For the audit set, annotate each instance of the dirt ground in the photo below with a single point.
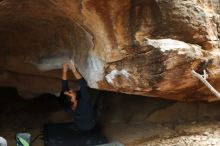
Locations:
(131, 120)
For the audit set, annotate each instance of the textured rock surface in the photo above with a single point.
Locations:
(146, 47)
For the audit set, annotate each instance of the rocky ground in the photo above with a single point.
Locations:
(131, 120)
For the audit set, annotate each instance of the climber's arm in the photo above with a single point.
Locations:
(64, 87)
(81, 82)
(76, 74)
(64, 83)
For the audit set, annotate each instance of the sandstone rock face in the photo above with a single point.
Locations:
(146, 47)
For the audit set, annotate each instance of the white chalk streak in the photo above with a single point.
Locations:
(182, 48)
(111, 76)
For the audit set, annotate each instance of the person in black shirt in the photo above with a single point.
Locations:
(78, 102)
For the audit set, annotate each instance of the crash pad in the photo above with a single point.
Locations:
(66, 134)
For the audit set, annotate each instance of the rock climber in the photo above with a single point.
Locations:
(78, 102)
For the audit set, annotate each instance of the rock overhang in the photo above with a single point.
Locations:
(147, 48)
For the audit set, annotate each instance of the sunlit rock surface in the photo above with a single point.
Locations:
(146, 47)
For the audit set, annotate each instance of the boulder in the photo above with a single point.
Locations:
(147, 47)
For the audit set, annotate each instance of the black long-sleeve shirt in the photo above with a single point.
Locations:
(83, 115)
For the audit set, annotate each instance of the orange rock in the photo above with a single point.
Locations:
(145, 47)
